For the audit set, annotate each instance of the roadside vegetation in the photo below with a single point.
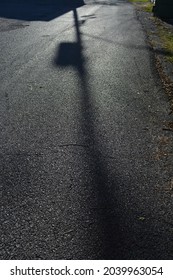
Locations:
(165, 34)
(146, 5)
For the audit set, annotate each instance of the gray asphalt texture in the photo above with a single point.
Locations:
(85, 162)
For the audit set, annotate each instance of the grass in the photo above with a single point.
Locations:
(146, 5)
(166, 37)
(168, 45)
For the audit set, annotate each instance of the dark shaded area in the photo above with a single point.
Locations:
(163, 9)
(33, 10)
(168, 20)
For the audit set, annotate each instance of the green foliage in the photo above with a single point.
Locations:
(148, 8)
(146, 5)
(167, 39)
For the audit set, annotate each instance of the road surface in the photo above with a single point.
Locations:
(85, 162)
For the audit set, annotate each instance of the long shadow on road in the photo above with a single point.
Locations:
(108, 225)
(113, 232)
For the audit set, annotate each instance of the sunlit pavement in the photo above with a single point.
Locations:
(85, 162)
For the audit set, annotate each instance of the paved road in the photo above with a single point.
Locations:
(85, 166)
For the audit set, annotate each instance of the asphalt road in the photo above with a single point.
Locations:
(85, 166)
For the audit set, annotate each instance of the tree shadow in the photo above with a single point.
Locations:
(163, 10)
(36, 10)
